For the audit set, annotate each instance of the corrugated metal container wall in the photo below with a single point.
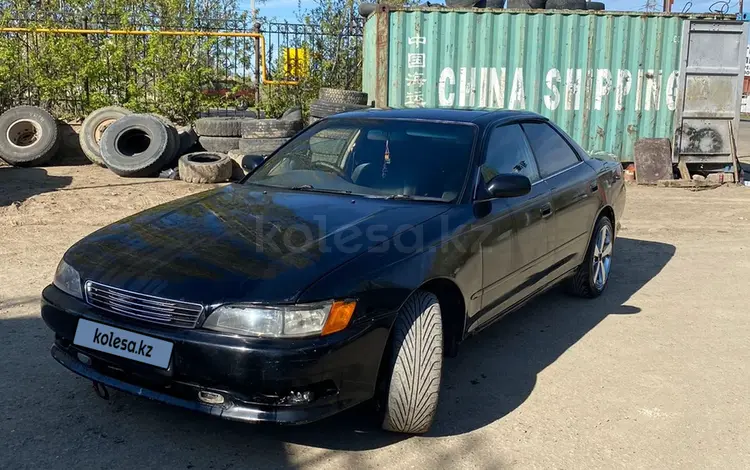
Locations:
(607, 79)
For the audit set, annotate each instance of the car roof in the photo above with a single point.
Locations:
(476, 116)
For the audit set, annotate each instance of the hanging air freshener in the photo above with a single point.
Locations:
(386, 159)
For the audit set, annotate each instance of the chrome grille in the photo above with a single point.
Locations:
(142, 306)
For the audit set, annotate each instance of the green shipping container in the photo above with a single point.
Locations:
(607, 78)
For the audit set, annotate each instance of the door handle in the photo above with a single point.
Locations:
(546, 210)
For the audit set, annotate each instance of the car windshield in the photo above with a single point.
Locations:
(402, 159)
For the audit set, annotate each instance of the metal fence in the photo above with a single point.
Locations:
(72, 64)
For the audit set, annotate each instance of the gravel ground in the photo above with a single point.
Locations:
(654, 374)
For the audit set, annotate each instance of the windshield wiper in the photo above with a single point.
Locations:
(409, 197)
(309, 187)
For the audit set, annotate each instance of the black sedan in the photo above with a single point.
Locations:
(343, 268)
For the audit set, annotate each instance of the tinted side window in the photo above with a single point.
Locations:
(508, 152)
(552, 153)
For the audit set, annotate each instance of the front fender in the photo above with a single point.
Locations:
(382, 278)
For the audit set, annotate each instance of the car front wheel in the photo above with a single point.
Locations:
(415, 366)
(592, 275)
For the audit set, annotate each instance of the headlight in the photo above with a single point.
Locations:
(288, 321)
(68, 280)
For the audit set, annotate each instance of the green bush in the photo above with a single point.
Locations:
(73, 74)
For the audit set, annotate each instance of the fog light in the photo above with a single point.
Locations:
(84, 358)
(210, 397)
(298, 398)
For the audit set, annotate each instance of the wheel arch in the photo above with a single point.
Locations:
(452, 310)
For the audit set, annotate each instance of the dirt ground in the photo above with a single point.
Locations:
(654, 374)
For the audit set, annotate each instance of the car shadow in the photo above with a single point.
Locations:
(53, 414)
(19, 184)
(496, 370)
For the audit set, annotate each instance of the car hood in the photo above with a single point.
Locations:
(240, 243)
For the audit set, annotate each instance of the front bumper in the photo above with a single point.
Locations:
(255, 376)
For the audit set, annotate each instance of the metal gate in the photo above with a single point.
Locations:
(710, 84)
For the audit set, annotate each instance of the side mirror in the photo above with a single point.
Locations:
(508, 185)
(251, 162)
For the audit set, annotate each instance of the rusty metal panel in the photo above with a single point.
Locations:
(653, 160)
(607, 78)
(711, 79)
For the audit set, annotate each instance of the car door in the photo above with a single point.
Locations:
(573, 187)
(513, 252)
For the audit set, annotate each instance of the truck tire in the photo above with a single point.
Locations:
(135, 146)
(292, 114)
(219, 126)
(233, 113)
(415, 362)
(566, 5)
(322, 108)
(495, 3)
(367, 9)
(219, 144)
(525, 4)
(460, 3)
(173, 142)
(28, 136)
(269, 128)
(93, 128)
(260, 146)
(597, 6)
(188, 138)
(205, 167)
(587, 282)
(333, 95)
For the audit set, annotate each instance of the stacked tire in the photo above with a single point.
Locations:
(28, 136)
(264, 136)
(332, 101)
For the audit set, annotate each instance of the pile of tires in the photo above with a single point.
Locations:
(331, 101)
(247, 135)
(28, 136)
(367, 9)
(133, 145)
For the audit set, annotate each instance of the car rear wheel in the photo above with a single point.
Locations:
(592, 275)
(415, 366)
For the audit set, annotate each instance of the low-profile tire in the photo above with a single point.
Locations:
(219, 144)
(415, 366)
(135, 145)
(260, 146)
(322, 108)
(525, 4)
(333, 95)
(205, 167)
(93, 128)
(565, 5)
(269, 128)
(587, 282)
(219, 126)
(597, 6)
(173, 141)
(28, 136)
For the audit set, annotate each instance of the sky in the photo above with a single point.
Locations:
(285, 10)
